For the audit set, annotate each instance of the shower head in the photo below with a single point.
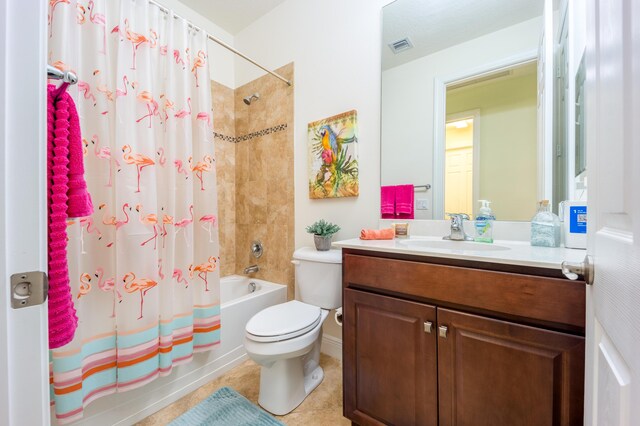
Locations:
(248, 99)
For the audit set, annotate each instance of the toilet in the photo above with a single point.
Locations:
(285, 339)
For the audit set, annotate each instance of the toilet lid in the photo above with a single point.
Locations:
(283, 321)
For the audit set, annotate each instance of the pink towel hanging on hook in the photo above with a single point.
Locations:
(67, 197)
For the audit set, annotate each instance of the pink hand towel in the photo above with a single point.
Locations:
(404, 202)
(377, 234)
(387, 202)
(67, 194)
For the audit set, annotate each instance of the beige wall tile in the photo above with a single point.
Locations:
(255, 177)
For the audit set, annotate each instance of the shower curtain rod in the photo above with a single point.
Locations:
(222, 43)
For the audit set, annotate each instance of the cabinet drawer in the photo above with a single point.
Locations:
(540, 300)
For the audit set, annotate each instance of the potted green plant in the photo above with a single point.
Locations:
(322, 233)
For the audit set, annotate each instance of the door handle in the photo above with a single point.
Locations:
(573, 270)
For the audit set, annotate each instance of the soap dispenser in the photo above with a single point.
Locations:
(484, 223)
(545, 227)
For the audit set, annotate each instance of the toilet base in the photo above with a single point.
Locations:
(283, 386)
(287, 382)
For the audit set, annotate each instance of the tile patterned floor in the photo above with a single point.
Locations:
(322, 407)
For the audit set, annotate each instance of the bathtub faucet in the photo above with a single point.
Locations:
(251, 269)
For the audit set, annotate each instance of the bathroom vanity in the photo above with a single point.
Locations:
(446, 336)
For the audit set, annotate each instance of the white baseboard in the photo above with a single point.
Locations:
(331, 346)
(127, 408)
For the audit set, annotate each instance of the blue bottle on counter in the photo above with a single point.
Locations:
(545, 227)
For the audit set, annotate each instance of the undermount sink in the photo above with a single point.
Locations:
(453, 245)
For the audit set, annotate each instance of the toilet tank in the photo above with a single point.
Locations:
(318, 277)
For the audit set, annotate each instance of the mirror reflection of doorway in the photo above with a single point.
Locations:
(461, 158)
(506, 147)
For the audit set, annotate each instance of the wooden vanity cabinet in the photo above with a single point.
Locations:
(414, 354)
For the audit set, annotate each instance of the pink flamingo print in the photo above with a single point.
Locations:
(180, 168)
(177, 274)
(85, 285)
(143, 285)
(166, 220)
(198, 62)
(168, 104)
(85, 89)
(148, 219)
(203, 269)
(87, 222)
(205, 117)
(52, 7)
(177, 58)
(182, 224)
(125, 91)
(160, 273)
(163, 49)
(161, 158)
(80, 14)
(139, 160)
(184, 113)
(107, 219)
(85, 147)
(138, 40)
(108, 285)
(152, 106)
(106, 92)
(99, 19)
(201, 167)
(104, 153)
(207, 222)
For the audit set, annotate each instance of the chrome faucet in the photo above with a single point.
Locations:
(251, 269)
(457, 227)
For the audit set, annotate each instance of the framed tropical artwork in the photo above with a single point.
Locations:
(333, 156)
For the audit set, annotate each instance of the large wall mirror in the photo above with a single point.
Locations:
(464, 108)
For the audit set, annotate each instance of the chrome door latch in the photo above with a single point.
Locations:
(28, 289)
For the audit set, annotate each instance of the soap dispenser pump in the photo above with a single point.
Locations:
(484, 223)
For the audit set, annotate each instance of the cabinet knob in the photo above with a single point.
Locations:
(427, 326)
(442, 331)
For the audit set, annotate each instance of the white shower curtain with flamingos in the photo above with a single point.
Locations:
(144, 267)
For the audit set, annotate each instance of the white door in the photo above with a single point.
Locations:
(24, 374)
(612, 96)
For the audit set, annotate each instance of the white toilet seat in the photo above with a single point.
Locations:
(282, 322)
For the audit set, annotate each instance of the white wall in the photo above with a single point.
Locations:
(408, 106)
(335, 47)
(221, 59)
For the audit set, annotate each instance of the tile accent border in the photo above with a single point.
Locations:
(252, 135)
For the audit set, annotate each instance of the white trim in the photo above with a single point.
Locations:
(24, 380)
(332, 346)
(440, 84)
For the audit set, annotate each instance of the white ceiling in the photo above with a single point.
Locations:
(232, 15)
(434, 25)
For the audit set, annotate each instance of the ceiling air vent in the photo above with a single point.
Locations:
(400, 45)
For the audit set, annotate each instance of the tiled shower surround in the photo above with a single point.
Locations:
(254, 160)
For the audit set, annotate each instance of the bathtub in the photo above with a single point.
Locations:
(241, 298)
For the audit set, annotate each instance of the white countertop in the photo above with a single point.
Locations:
(511, 252)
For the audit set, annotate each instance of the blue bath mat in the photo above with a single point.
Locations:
(225, 407)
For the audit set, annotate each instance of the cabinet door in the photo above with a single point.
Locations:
(493, 372)
(389, 360)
